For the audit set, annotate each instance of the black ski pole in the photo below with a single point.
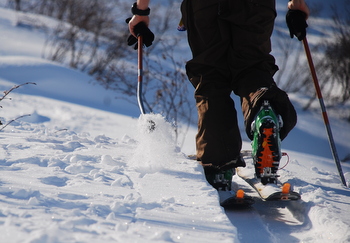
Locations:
(324, 113)
(140, 74)
(152, 124)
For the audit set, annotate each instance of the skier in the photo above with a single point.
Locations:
(230, 44)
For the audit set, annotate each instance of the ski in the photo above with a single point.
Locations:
(270, 191)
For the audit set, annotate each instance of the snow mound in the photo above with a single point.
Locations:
(156, 149)
(35, 118)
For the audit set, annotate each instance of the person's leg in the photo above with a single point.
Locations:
(251, 64)
(218, 139)
(252, 69)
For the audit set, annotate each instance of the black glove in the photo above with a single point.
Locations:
(140, 29)
(296, 22)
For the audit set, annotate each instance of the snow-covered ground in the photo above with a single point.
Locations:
(77, 170)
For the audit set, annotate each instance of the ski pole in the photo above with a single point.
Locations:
(324, 113)
(140, 73)
(151, 124)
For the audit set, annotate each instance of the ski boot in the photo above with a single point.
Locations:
(220, 177)
(266, 144)
(222, 182)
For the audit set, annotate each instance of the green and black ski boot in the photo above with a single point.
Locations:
(266, 144)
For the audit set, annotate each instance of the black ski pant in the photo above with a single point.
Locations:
(230, 44)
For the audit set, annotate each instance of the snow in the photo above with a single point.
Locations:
(84, 167)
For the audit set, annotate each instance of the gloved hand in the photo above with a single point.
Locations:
(144, 31)
(296, 22)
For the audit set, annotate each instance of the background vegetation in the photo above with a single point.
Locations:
(88, 36)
